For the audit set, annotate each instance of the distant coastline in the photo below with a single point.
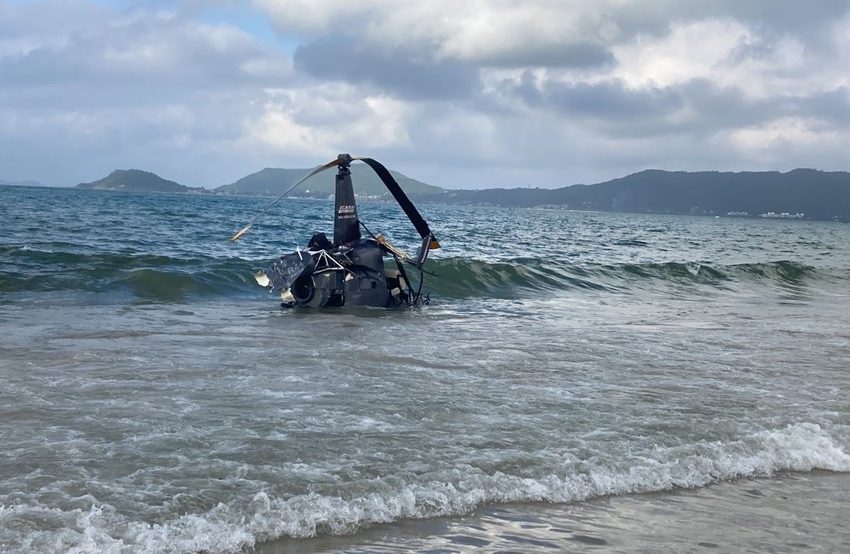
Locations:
(22, 184)
(798, 194)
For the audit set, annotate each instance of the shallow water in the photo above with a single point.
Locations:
(156, 399)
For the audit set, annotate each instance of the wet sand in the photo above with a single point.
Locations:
(788, 513)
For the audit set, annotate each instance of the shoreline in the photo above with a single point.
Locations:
(785, 513)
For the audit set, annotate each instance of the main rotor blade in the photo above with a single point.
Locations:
(406, 205)
(239, 234)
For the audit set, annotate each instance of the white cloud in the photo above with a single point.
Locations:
(327, 119)
(308, 16)
(473, 31)
(486, 93)
(96, 89)
(690, 51)
(764, 141)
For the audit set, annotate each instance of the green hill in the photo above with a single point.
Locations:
(273, 181)
(813, 194)
(134, 180)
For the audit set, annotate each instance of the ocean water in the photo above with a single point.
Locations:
(155, 399)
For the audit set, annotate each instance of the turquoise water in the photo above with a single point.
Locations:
(156, 399)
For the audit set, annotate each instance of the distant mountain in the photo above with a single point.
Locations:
(816, 194)
(273, 181)
(801, 193)
(135, 180)
(21, 183)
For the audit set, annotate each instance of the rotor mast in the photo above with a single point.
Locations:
(346, 223)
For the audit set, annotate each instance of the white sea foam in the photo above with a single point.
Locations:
(28, 248)
(231, 527)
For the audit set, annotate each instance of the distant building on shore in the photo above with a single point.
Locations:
(783, 215)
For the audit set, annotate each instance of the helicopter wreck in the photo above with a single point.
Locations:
(350, 270)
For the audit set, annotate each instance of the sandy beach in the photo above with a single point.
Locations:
(791, 512)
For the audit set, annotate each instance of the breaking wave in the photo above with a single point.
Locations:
(172, 278)
(460, 277)
(150, 277)
(243, 523)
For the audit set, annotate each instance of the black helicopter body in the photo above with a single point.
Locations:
(350, 270)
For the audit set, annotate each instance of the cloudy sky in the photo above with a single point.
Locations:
(461, 94)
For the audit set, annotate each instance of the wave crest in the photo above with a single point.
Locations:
(242, 524)
(172, 278)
